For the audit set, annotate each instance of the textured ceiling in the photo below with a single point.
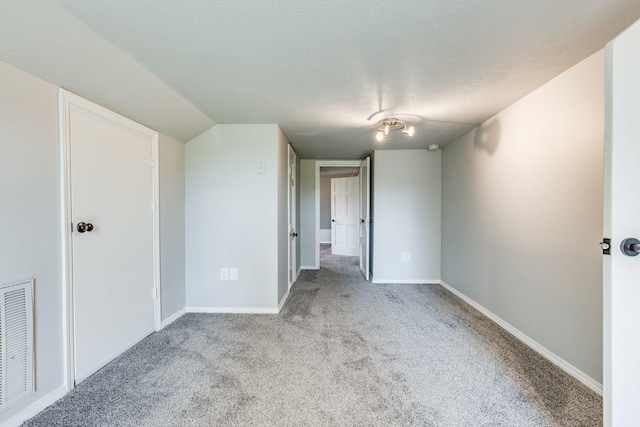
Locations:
(325, 71)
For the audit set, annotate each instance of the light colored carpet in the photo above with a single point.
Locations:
(342, 352)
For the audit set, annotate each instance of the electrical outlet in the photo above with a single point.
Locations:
(261, 168)
(233, 273)
(224, 274)
(405, 256)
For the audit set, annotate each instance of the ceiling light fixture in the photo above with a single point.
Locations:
(384, 126)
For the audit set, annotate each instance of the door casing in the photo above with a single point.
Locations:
(320, 164)
(365, 217)
(293, 216)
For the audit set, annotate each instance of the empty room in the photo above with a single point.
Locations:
(280, 213)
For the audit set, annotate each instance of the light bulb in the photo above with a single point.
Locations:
(386, 130)
(411, 131)
(379, 136)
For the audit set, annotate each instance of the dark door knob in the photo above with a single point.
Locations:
(333, 220)
(82, 227)
(630, 246)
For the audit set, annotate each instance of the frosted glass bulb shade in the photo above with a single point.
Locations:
(411, 131)
(379, 136)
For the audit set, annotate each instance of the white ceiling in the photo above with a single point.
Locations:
(325, 71)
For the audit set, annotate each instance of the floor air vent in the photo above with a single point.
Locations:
(16, 342)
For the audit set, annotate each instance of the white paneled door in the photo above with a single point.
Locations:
(345, 217)
(365, 215)
(112, 238)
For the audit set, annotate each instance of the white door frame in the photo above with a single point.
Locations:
(67, 102)
(365, 218)
(292, 214)
(321, 164)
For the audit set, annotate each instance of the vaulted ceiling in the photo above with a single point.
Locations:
(326, 71)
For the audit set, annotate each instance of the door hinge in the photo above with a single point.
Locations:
(153, 162)
(606, 246)
(155, 293)
(153, 207)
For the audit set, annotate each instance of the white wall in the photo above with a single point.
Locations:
(522, 215)
(172, 274)
(406, 216)
(30, 215)
(232, 216)
(307, 241)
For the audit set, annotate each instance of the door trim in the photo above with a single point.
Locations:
(67, 102)
(292, 216)
(319, 164)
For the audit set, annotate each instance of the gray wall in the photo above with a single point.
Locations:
(325, 202)
(172, 274)
(307, 213)
(407, 215)
(232, 216)
(30, 214)
(522, 215)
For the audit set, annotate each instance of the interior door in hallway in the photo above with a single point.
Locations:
(345, 216)
(112, 240)
(365, 215)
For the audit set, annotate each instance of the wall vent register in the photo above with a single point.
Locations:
(16, 342)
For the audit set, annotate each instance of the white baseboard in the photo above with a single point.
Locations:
(175, 316)
(546, 353)
(283, 300)
(298, 274)
(309, 267)
(36, 407)
(406, 282)
(238, 310)
(325, 235)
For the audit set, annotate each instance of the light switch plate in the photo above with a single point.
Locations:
(224, 274)
(233, 273)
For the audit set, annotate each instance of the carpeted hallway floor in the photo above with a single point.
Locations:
(342, 352)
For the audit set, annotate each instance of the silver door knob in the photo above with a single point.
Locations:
(630, 246)
(82, 227)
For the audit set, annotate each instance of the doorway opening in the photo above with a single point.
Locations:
(339, 215)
